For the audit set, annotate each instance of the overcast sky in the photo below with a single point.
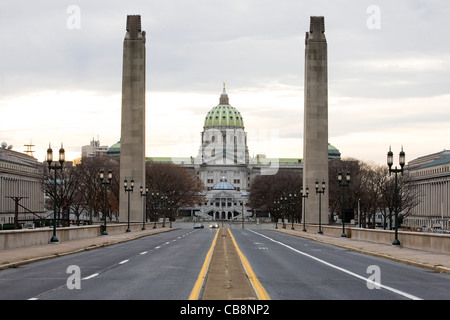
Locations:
(388, 71)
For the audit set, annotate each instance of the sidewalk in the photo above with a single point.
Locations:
(439, 262)
(11, 258)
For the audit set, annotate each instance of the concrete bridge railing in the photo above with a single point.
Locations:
(10, 239)
(432, 242)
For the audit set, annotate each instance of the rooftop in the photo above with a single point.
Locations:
(223, 185)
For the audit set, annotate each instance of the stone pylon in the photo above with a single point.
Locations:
(315, 136)
(132, 148)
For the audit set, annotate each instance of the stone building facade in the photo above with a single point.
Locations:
(20, 181)
(430, 174)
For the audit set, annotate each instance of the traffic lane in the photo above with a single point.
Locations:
(287, 275)
(31, 280)
(296, 268)
(50, 277)
(418, 282)
(166, 271)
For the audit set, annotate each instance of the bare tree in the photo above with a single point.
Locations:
(177, 186)
(66, 190)
(267, 191)
(91, 189)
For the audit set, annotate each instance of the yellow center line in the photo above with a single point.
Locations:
(195, 293)
(261, 293)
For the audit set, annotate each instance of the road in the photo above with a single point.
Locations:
(296, 268)
(166, 266)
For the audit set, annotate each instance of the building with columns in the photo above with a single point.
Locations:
(20, 187)
(430, 174)
(224, 164)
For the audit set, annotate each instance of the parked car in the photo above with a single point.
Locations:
(214, 225)
(198, 226)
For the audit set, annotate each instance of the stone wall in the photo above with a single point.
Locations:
(10, 239)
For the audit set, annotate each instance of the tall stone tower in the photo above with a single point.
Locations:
(132, 149)
(315, 136)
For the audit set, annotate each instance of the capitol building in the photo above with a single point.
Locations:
(224, 165)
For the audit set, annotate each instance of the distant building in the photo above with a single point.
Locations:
(333, 152)
(430, 174)
(94, 149)
(224, 166)
(20, 181)
(114, 150)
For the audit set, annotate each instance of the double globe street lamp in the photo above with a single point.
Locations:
(55, 167)
(144, 214)
(292, 203)
(320, 192)
(155, 198)
(343, 185)
(105, 183)
(305, 194)
(390, 162)
(128, 190)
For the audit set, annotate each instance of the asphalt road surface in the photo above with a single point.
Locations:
(296, 268)
(166, 266)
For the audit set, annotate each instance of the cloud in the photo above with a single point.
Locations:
(66, 83)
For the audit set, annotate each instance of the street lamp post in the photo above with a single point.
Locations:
(276, 208)
(320, 192)
(155, 197)
(292, 201)
(105, 183)
(343, 185)
(304, 196)
(144, 213)
(55, 167)
(283, 200)
(242, 213)
(390, 161)
(170, 211)
(128, 190)
(164, 208)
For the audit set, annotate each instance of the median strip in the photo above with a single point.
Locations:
(261, 293)
(226, 273)
(195, 293)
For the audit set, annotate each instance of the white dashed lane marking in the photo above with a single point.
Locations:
(91, 276)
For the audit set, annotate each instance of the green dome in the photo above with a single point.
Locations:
(114, 150)
(333, 152)
(224, 115)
